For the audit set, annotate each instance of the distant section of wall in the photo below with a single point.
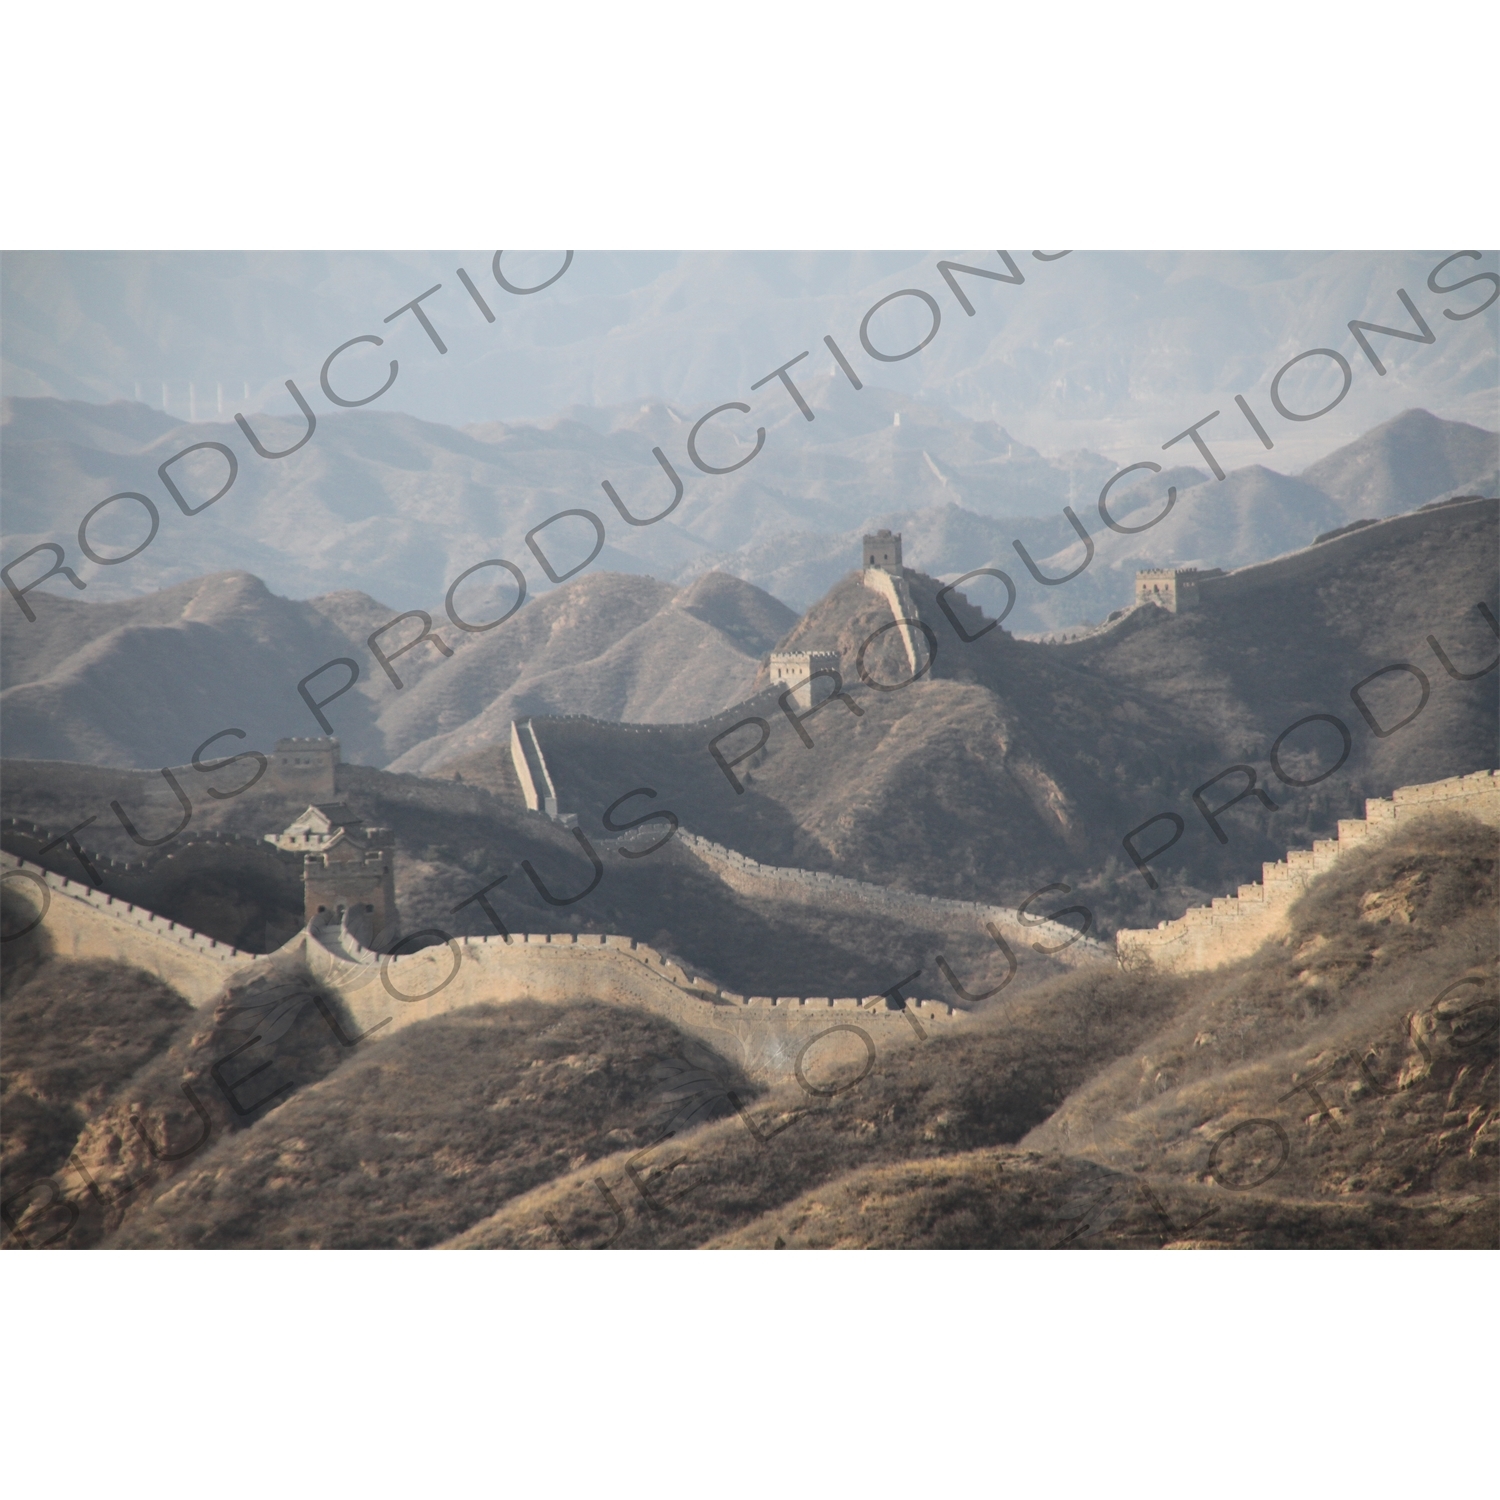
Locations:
(537, 786)
(1208, 937)
(84, 923)
(892, 587)
(780, 883)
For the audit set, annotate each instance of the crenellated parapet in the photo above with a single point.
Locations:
(84, 922)
(1233, 927)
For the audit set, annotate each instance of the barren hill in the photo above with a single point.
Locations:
(145, 682)
(1011, 765)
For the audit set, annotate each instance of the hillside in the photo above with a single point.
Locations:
(144, 682)
(75, 1033)
(454, 840)
(412, 1141)
(1012, 765)
(1335, 1090)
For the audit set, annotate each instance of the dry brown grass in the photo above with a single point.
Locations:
(416, 1138)
(71, 1034)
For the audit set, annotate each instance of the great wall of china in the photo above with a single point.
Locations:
(776, 882)
(85, 923)
(1208, 937)
(387, 993)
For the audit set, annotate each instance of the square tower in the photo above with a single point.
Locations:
(794, 669)
(306, 767)
(882, 549)
(1171, 589)
(348, 869)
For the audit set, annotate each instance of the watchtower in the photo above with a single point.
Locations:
(795, 669)
(882, 549)
(305, 766)
(1172, 589)
(348, 870)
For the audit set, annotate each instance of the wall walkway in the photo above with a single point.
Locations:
(897, 594)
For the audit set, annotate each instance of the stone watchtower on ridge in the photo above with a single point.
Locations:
(1172, 589)
(882, 549)
(348, 870)
(307, 767)
(795, 669)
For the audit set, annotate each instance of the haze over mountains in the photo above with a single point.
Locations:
(1312, 674)
(1009, 765)
(1088, 352)
(396, 509)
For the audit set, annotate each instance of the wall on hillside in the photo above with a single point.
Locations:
(779, 883)
(242, 888)
(897, 594)
(766, 1034)
(1208, 937)
(84, 923)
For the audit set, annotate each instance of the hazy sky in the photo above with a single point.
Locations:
(1105, 350)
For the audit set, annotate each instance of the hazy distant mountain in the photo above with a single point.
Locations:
(397, 508)
(1408, 461)
(608, 645)
(1092, 350)
(1255, 513)
(144, 682)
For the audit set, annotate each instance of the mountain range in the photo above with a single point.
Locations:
(144, 682)
(395, 509)
(1089, 351)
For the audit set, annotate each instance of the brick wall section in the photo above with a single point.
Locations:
(84, 923)
(766, 1033)
(1208, 937)
(774, 882)
(897, 594)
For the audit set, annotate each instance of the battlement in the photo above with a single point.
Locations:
(783, 883)
(1233, 927)
(86, 923)
(770, 1034)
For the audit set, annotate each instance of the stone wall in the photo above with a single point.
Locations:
(219, 879)
(766, 1034)
(85, 923)
(1208, 937)
(894, 590)
(531, 769)
(780, 883)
